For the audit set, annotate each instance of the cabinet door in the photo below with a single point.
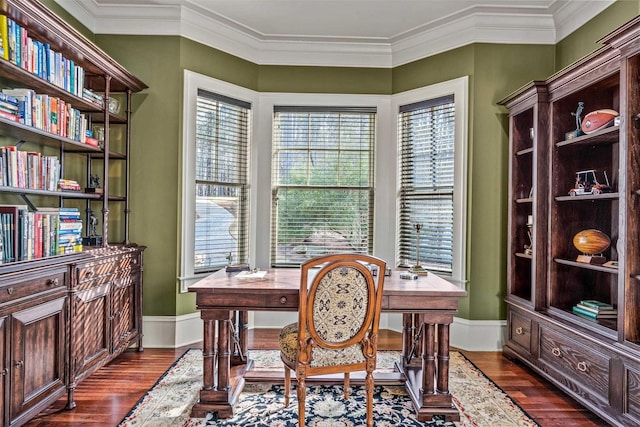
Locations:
(37, 355)
(91, 324)
(125, 321)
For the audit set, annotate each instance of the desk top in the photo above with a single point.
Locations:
(279, 288)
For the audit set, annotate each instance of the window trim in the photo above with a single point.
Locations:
(459, 89)
(192, 82)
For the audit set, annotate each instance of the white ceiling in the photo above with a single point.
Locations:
(369, 33)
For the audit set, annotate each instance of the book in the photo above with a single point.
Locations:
(597, 310)
(584, 313)
(4, 35)
(11, 229)
(596, 304)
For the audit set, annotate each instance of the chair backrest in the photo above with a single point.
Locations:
(339, 314)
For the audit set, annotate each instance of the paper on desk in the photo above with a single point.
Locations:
(251, 274)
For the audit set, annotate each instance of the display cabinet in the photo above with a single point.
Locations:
(572, 313)
(65, 309)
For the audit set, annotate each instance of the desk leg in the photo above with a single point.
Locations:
(217, 394)
(428, 385)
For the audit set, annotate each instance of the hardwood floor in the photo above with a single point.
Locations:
(107, 396)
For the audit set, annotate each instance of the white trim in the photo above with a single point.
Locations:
(193, 82)
(460, 89)
(478, 24)
(172, 331)
(179, 331)
(477, 335)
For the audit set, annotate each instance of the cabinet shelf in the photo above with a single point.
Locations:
(38, 136)
(588, 197)
(603, 136)
(523, 255)
(63, 194)
(525, 151)
(525, 200)
(585, 266)
(25, 78)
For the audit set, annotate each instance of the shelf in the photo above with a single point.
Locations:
(63, 194)
(585, 266)
(26, 79)
(603, 136)
(523, 255)
(42, 137)
(525, 151)
(525, 200)
(590, 197)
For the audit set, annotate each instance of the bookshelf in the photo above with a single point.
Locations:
(552, 327)
(79, 306)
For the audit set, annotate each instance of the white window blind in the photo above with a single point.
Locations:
(427, 139)
(221, 223)
(322, 182)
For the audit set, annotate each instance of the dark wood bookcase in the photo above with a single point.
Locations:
(595, 360)
(75, 311)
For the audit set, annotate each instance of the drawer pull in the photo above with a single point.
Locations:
(582, 367)
(90, 273)
(4, 372)
(54, 282)
(283, 300)
(10, 291)
(19, 363)
(519, 330)
(555, 351)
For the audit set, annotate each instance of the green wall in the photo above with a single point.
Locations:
(584, 40)
(494, 71)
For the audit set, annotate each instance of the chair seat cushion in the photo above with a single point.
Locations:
(288, 343)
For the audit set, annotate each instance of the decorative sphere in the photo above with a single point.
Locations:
(591, 241)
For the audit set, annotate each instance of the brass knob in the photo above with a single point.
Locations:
(19, 363)
(582, 367)
(10, 291)
(54, 282)
(556, 351)
(283, 300)
(3, 372)
(519, 330)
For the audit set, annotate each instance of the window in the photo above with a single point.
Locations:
(432, 175)
(215, 187)
(220, 181)
(323, 182)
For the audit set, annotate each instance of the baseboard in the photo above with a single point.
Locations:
(178, 331)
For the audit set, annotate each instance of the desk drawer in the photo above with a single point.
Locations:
(574, 361)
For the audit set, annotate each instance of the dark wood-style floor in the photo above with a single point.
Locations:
(107, 396)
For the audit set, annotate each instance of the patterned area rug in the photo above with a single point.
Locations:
(168, 403)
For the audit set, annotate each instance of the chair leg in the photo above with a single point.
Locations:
(369, 389)
(302, 390)
(346, 385)
(287, 385)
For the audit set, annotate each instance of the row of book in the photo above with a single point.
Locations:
(594, 309)
(44, 112)
(28, 169)
(20, 48)
(26, 235)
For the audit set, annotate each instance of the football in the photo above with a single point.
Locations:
(597, 120)
(591, 241)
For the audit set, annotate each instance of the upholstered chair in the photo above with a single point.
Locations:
(337, 328)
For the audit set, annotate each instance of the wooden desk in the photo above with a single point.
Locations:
(428, 304)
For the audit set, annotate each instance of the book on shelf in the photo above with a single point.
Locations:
(596, 304)
(600, 311)
(590, 314)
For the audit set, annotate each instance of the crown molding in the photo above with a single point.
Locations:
(480, 24)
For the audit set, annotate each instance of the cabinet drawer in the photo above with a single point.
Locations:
(32, 283)
(632, 393)
(520, 330)
(575, 362)
(103, 270)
